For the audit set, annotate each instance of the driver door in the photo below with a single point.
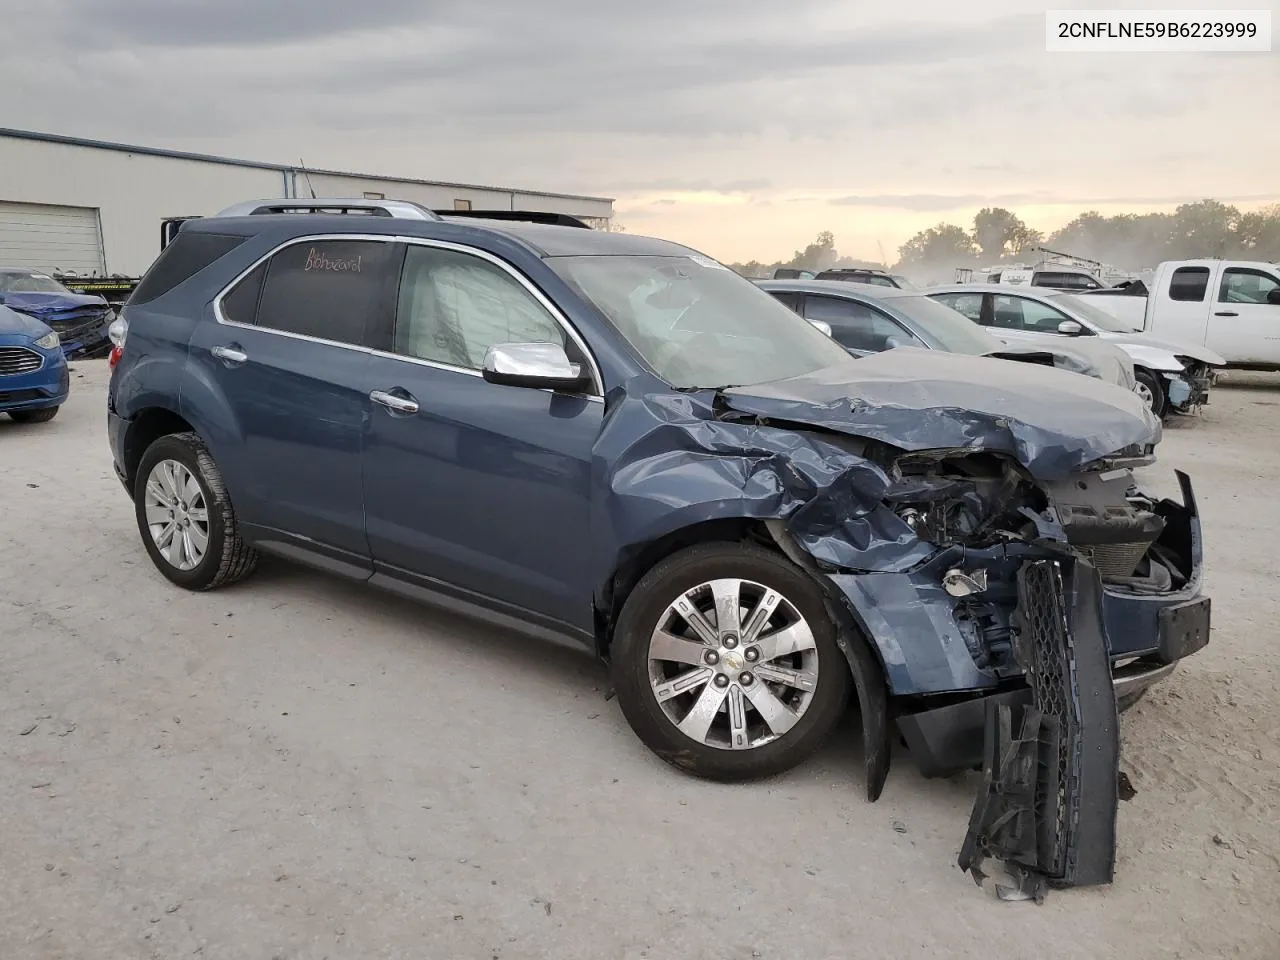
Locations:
(475, 489)
(1246, 326)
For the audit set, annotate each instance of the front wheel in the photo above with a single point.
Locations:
(726, 664)
(34, 416)
(185, 516)
(1151, 391)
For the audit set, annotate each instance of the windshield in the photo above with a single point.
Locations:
(1087, 311)
(948, 329)
(30, 283)
(697, 323)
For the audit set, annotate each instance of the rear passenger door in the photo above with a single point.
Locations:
(473, 489)
(289, 357)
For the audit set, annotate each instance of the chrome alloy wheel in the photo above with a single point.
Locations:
(177, 515)
(733, 664)
(1145, 395)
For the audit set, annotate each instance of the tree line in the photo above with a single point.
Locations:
(1207, 228)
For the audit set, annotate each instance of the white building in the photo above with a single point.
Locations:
(93, 208)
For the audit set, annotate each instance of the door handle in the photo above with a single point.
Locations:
(394, 403)
(231, 356)
(1226, 313)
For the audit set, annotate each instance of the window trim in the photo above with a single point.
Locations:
(597, 380)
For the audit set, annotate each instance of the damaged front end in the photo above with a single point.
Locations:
(1000, 647)
(1001, 584)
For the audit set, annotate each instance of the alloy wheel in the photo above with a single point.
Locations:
(733, 664)
(177, 514)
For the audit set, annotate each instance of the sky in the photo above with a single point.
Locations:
(740, 127)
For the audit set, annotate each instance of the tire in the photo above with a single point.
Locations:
(226, 556)
(1157, 401)
(685, 579)
(34, 416)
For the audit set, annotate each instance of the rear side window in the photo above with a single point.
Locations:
(1189, 284)
(183, 258)
(328, 289)
(241, 304)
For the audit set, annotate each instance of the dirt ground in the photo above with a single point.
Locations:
(302, 768)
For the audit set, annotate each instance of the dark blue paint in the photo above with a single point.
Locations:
(39, 389)
(81, 320)
(528, 502)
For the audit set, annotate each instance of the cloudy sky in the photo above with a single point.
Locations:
(742, 127)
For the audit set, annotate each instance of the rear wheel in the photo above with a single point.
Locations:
(726, 664)
(34, 416)
(185, 516)
(1151, 391)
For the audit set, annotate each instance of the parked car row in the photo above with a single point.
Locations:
(80, 320)
(616, 439)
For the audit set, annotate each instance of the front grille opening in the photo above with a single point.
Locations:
(16, 360)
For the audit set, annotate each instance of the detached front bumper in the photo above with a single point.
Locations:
(1041, 721)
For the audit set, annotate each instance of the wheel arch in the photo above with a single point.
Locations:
(861, 655)
(145, 428)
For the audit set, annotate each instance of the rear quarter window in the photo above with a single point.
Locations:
(186, 256)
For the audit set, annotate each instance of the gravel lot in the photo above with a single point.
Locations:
(302, 768)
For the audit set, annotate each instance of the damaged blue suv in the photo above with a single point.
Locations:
(617, 439)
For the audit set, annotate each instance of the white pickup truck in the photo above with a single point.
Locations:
(1231, 307)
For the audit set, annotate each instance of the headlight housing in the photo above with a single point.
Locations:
(49, 341)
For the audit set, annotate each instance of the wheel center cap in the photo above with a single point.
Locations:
(732, 661)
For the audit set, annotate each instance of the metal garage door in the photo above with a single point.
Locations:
(46, 237)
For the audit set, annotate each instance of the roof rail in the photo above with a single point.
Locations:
(399, 209)
(525, 216)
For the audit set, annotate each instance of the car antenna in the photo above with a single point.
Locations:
(306, 173)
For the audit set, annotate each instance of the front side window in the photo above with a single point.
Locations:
(968, 304)
(1015, 313)
(695, 323)
(1243, 285)
(327, 289)
(455, 306)
(855, 325)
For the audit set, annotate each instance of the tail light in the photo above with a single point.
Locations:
(117, 332)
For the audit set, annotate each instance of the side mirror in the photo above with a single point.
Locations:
(1273, 296)
(893, 343)
(1070, 328)
(821, 325)
(543, 366)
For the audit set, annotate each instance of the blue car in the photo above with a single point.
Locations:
(80, 320)
(33, 372)
(616, 439)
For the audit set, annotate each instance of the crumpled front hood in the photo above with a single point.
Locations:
(53, 306)
(1178, 348)
(1051, 421)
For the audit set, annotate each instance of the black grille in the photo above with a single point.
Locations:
(1049, 654)
(14, 360)
(20, 396)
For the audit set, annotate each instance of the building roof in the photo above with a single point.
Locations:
(280, 167)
